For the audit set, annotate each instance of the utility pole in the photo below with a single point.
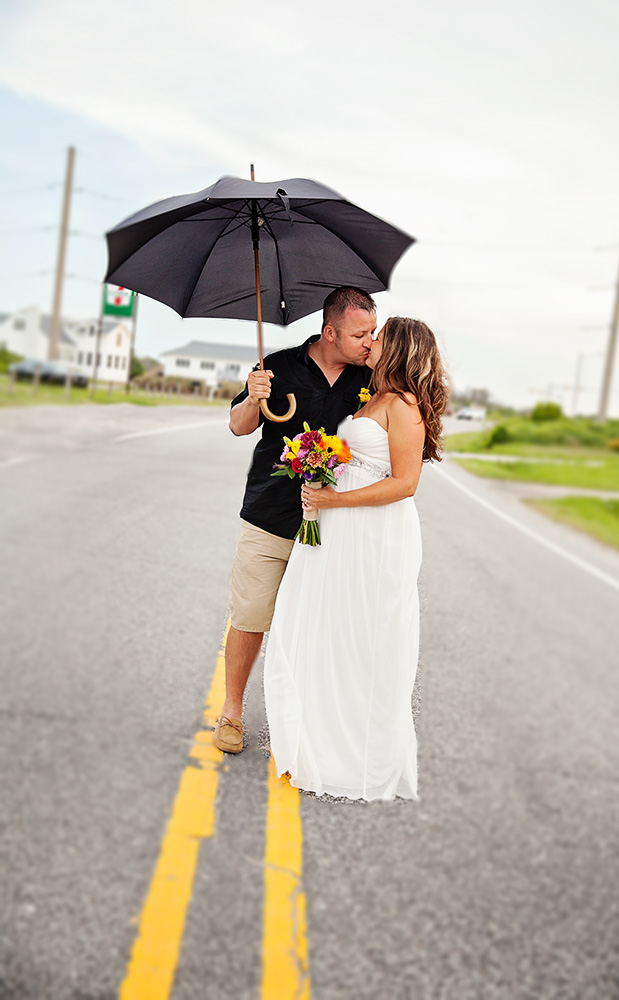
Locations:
(95, 369)
(610, 360)
(132, 342)
(54, 331)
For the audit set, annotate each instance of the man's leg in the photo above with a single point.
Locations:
(259, 563)
(242, 648)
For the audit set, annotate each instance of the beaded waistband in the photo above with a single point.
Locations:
(375, 470)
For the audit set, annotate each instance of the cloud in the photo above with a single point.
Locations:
(476, 127)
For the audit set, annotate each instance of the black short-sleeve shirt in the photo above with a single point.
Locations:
(275, 504)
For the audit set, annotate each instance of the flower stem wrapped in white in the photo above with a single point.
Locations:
(308, 532)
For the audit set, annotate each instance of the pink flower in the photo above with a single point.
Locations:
(284, 454)
(337, 472)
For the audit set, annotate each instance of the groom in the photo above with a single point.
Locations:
(326, 374)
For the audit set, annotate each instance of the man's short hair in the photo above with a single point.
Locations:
(341, 299)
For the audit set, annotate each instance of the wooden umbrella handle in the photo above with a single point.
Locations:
(292, 403)
(273, 416)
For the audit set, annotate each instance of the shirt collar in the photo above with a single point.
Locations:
(302, 349)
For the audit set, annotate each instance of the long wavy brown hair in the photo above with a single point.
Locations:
(410, 361)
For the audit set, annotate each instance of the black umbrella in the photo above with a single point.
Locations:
(249, 250)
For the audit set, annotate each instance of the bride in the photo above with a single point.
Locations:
(342, 651)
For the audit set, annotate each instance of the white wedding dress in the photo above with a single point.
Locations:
(342, 651)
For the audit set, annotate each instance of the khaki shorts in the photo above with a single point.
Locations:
(257, 570)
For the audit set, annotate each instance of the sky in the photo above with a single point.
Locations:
(487, 130)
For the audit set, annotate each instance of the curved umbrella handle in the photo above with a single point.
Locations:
(286, 416)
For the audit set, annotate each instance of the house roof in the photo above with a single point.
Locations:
(223, 352)
(66, 325)
(46, 322)
(45, 326)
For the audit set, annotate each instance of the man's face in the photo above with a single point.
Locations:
(353, 335)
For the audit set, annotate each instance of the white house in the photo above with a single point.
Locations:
(26, 332)
(210, 363)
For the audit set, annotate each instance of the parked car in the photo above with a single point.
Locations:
(472, 413)
(53, 372)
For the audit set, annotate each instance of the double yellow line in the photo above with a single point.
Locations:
(156, 950)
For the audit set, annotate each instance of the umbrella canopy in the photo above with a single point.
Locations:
(195, 252)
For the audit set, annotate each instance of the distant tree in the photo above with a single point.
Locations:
(7, 358)
(137, 368)
(473, 397)
(546, 411)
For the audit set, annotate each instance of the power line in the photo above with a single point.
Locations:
(57, 184)
(32, 190)
(19, 231)
(53, 227)
(86, 236)
(98, 194)
(83, 277)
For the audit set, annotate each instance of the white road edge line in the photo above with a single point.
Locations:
(535, 535)
(171, 430)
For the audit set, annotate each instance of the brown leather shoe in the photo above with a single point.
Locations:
(228, 735)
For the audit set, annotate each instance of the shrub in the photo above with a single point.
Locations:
(613, 443)
(499, 435)
(546, 411)
(7, 358)
(137, 368)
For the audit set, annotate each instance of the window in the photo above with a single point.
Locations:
(116, 360)
(119, 339)
(89, 358)
(124, 362)
(235, 369)
(80, 358)
(182, 362)
(207, 364)
(19, 323)
(92, 330)
(109, 360)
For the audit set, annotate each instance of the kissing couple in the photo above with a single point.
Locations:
(342, 617)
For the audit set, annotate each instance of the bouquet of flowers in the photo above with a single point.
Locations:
(318, 458)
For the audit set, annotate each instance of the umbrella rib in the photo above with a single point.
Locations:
(206, 259)
(323, 225)
(282, 297)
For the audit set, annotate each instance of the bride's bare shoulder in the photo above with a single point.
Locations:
(395, 402)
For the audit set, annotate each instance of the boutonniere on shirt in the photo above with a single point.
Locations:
(364, 397)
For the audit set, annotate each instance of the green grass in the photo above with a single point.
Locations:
(579, 452)
(515, 435)
(22, 395)
(573, 472)
(599, 518)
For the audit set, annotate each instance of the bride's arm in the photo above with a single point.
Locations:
(406, 440)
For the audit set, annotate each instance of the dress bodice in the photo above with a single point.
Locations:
(367, 440)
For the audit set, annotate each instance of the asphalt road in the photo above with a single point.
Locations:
(502, 882)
